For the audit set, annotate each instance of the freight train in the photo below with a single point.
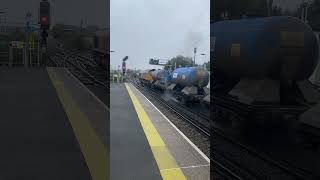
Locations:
(188, 84)
(260, 70)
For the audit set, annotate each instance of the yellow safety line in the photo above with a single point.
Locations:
(92, 148)
(167, 165)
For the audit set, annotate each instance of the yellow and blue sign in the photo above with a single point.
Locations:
(31, 41)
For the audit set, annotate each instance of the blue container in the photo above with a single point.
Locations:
(161, 78)
(280, 47)
(190, 76)
(160, 74)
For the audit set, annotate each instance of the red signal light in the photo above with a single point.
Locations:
(44, 20)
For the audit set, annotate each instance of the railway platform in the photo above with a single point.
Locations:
(51, 127)
(145, 145)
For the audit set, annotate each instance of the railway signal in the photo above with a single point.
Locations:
(160, 62)
(44, 35)
(124, 65)
(125, 58)
(154, 61)
(44, 20)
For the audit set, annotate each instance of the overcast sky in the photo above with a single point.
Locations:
(144, 29)
(93, 12)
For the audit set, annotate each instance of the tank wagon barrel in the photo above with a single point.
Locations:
(260, 70)
(191, 76)
(280, 47)
(160, 74)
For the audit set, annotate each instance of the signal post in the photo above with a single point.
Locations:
(44, 21)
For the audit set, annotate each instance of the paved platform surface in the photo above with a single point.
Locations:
(193, 163)
(37, 139)
(145, 145)
(130, 153)
(311, 116)
(96, 111)
(89, 118)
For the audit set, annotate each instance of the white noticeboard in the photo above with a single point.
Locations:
(175, 75)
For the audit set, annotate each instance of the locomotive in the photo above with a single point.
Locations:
(260, 70)
(188, 84)
(146, 76)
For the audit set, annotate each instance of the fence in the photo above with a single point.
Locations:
(14, 55)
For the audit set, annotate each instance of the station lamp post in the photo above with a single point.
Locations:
(205, 58)
(194, 56)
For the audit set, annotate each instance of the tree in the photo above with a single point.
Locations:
(179, 61)
(207, 65)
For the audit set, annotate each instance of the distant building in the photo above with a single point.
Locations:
(67, 27)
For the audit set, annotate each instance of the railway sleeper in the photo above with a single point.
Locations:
(309, 137)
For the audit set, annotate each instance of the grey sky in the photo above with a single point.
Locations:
(143, 29)
(93, 12)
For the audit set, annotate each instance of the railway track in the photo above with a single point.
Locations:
(271, 168)
(178, 110)
(250, 163)
(85, 69)
(193, 120)
(225, 166)
(254, 164)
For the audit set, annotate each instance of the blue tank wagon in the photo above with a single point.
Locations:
(161, 78)
(188, 83)
(260, 68)
(280, 47)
